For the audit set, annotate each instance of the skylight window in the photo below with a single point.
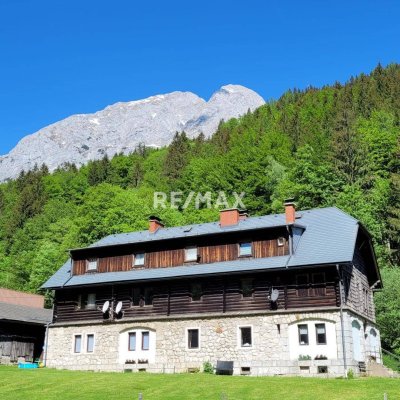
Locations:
(91, 264)
(191, 253)
(244, 249)
(138, 259)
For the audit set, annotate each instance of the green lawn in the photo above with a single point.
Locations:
(48, 384)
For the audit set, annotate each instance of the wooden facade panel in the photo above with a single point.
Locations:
(164, 258)
(218, 295)
(218, 252)
(269, 248)
(210, 250)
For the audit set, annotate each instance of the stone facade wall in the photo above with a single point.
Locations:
(219, 340)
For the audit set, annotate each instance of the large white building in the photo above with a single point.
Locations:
(277, 294)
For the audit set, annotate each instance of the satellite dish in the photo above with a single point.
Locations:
(106, 306)
(118, 308)
(274, 295)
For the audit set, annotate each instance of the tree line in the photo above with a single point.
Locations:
(332, 146)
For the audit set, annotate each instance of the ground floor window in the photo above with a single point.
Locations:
(132, 341)
(78, 344)
(193, 338)
(90, 343)
(320, 331)
(145, 340)
(303, 334)
(246, 336)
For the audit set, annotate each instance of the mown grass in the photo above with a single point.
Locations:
(51, 384)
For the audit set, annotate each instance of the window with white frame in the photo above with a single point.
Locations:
(246, 339)
(320, 332)
(193, 338)
(138, 259)
(303, 334)
(281, 241)
(90, 343)
(145, 340)
(191, 253)
(132, 341)
(77, 343)
(245, 249)
(91, 264)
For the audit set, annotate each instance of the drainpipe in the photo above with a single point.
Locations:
(341, 320)
(46, 338)
(46, 342)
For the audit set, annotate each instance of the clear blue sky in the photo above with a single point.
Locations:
(59, 58)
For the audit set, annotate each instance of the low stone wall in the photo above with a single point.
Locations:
(219, 340)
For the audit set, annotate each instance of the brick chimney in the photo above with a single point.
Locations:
(290, 211)
(229, 217)
(155, 224)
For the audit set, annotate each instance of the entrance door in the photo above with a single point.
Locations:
(374, 343)
(356, 332)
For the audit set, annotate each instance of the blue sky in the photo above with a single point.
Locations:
(59, 58)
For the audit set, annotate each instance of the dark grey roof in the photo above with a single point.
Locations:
(267, 221)
(225, 267)
(32, 315)
(324, 236)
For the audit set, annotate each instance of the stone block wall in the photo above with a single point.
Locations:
(219, 340)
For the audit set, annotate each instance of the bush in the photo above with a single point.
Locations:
(350, 374)
(208, 367)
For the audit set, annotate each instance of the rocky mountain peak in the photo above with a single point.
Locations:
(120, 127)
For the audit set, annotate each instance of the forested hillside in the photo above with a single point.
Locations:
(334, 146)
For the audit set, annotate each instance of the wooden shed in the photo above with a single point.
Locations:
(22, 327)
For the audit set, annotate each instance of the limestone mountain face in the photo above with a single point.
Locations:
(122, 126)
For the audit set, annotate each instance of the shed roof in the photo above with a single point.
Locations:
(322, 236)
(19, 313)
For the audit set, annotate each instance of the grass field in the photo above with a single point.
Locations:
(51, 384)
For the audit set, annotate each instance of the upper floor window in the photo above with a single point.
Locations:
(303, 334)
(281, 241)
(247, 287)
(86, 301)
(91, 264)
(91, 301)
(191, 253)
(302, 285)
(196, 291)
(142, 296)
(319, 284)
(244, 249)
(138, 259)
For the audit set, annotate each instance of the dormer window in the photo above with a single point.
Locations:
(281, 241)
(191, 253)
(91, 264)
(245, 249)
(138, 259)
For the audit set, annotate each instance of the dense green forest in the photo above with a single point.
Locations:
(333, 146)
